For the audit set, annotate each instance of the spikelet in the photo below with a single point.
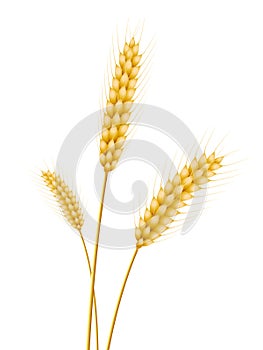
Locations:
(65, 198)
(118, 109)
(165, 206)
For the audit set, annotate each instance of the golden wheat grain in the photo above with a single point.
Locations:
(65, 198)
(118, 109)
(173, 196)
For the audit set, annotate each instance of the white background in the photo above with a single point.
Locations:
(198, 291)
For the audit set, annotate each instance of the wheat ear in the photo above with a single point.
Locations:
(118, 109)
(114, 133)
(165, 206)
(72, 212)
(159, 216)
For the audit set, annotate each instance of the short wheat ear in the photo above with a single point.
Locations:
(65, 198)
(72, 212)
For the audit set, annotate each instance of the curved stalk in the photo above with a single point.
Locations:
(120, 297)
(94, 299)
(94, 265)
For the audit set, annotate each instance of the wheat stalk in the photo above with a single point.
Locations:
(164, 207)
(94, 263)
(118, 108)
(72, 212)
(114, 133)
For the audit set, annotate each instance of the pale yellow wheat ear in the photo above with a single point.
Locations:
(72, 212)
(120, 100)
(66, 199)
(160, 215)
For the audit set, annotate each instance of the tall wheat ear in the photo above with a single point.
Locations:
(120, 100)
(165, 206)
(116, 122)
(73, 213)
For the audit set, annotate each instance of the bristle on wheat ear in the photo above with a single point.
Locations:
(65, 198)
(173, 196)
(118, 109)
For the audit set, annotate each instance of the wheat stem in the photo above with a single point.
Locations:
(120, 297)
(94, 299)
(94, 265)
